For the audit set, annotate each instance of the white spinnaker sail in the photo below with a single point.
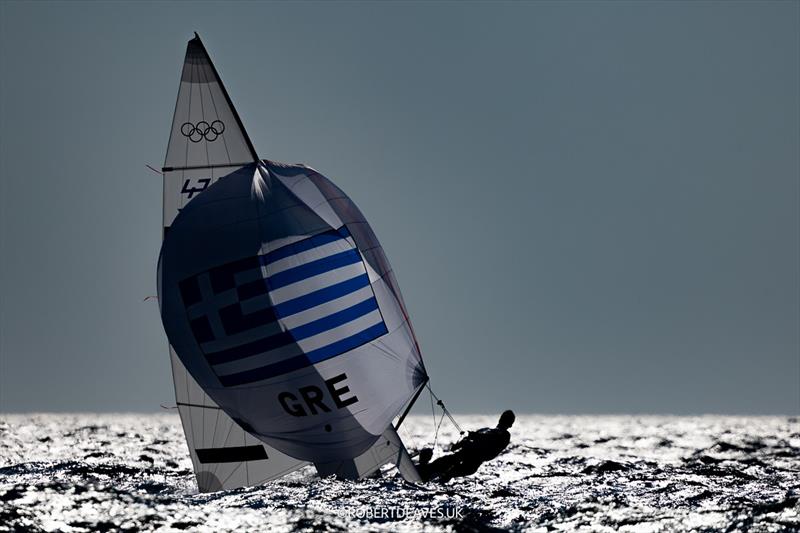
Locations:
(279, 300)
(207, 141)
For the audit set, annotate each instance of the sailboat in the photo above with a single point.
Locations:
(290, 343)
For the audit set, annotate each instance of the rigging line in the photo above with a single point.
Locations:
(453, 420)
(436, 435)
(440, 403)
(433, 413)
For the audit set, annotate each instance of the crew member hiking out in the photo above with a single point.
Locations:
(469, 453)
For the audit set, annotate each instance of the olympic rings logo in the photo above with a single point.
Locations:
(203, 130)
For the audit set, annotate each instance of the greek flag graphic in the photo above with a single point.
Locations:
(263, 316)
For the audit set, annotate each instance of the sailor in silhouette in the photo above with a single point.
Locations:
(468, 453)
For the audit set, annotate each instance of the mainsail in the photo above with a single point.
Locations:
(223, 454)
(289, 339)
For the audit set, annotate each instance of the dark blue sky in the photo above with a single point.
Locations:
(591, 207)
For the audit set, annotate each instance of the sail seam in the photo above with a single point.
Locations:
(216, 112)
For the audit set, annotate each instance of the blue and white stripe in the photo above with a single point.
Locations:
(320, 305)
(322, 295)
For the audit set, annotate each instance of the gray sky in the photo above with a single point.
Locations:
(590, 207)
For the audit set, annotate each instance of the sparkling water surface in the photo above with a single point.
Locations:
(131, 472)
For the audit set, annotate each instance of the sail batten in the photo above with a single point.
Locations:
(200, 167)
